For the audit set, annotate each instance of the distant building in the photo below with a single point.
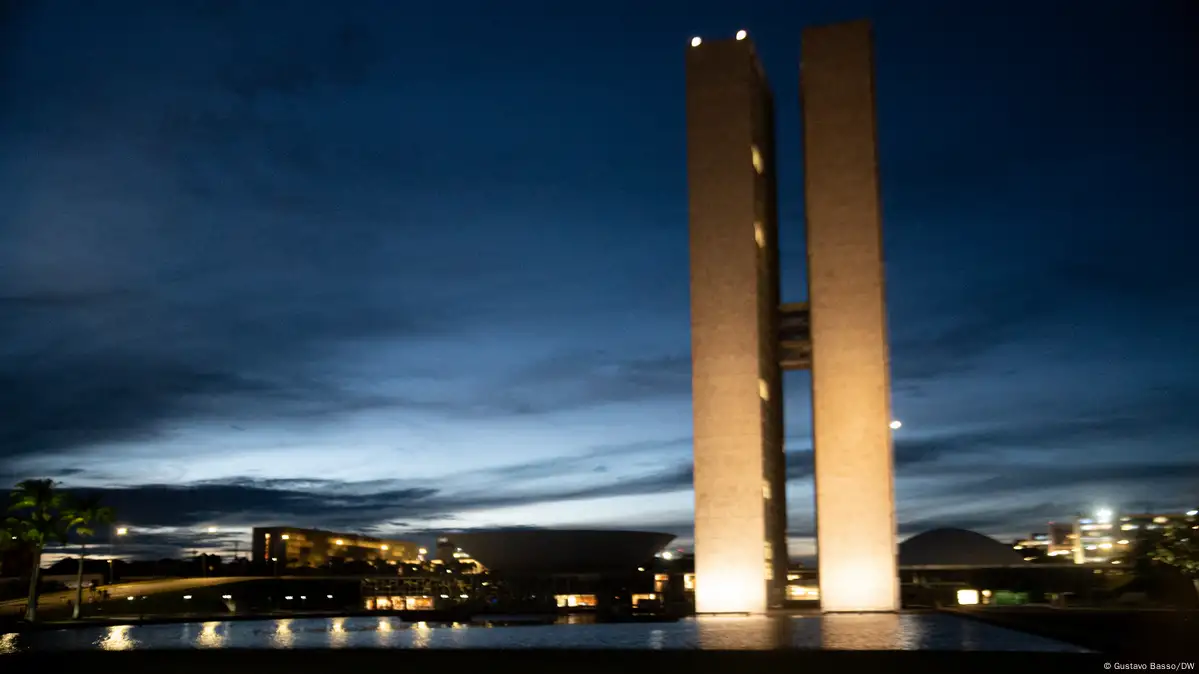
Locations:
(1104, 537)
(452, 556)
(1035, 548)
(1055, 545)
(293, 547)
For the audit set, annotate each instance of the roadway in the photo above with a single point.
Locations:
(120, 590)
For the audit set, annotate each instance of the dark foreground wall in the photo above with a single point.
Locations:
(532, 662)
(1141, 635)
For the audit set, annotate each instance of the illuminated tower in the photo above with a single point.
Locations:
(742, 337)
(740, 512)
(851, 389)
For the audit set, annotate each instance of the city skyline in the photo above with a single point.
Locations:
(355, 268)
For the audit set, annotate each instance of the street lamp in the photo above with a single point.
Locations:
(113, 532)
(204, 556)
(896, 425)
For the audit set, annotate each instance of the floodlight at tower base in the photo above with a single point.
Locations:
(729, 592)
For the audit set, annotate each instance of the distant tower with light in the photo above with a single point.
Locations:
(743, 337)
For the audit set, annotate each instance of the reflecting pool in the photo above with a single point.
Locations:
(836, 632)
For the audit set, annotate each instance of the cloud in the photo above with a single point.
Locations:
(574, 380)
(595, 459)
(1033, 517)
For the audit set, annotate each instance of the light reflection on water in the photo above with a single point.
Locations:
(282, 637)
(116, 638)
(211, 635)
(834, 632)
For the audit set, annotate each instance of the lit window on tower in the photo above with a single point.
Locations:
(760, 234)
(763, 389)
(756, 157)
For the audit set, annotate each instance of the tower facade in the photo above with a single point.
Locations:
(851, 389)
(742, 337)
(740, 491)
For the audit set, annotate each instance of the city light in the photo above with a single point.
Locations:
(422, 551)
(668, 555)
(1104, 514)
(383, 547)
(212, 530)
(226, 596)
(695, 42)
(741, 34)
(328, 596)
(1192, 513)
(896, 425)
(285, 537)
(187, 596)
(121, 531)
(339, 542)
(968, 597)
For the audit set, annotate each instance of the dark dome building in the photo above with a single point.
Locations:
(956, 547)
(548, 551)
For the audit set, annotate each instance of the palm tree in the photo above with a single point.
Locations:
(82, 517)
(36, 518)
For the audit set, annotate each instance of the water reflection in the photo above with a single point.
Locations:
(867, 632)
(210, 636)
(744, 633)
(117, 639)
(420, 635)
(847, 631)
(337, 633)
(283, 637)
(657, 639)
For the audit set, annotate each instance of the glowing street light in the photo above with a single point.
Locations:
(112, 552)
(896, 425)
(212, 530)
(1192, 513)
(741, 34)
(1104, 514)
(695, 41)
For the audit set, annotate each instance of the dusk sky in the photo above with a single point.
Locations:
(358, 266)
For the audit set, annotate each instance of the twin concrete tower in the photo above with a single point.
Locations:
(743, 337)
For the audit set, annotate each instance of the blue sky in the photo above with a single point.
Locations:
(363, 266)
